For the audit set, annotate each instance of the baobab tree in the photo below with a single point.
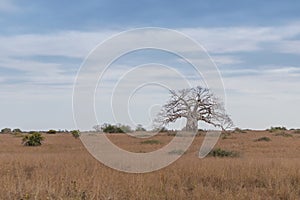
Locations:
(194, 104)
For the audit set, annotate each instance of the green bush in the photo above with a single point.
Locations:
(6, 130)
(17, 130)
(32, 132)
(284, 134)
(151, 142)
(266, 139)
(277, 128)
(124, 128)
(75, 133)
(108, 128)
(51, 131)
(222, 153)
(34, 139)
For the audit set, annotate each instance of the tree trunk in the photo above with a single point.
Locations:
(191, 124)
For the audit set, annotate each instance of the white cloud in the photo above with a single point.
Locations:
(239, 39)
(264, 97)
(264, 82)
(226, 60)
(288, 46)
(215, 40)
(262, 88)
(69, 44)
(36, 72)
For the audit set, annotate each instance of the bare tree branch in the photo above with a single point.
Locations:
(195, 104)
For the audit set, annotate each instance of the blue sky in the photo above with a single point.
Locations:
(256, 45)
(44, 16)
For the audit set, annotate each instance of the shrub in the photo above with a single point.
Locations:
(17, 130)
(163, 130)
(6, 130)
(140, 128)
(176, 152)
(18, 134)
(284, 134)
(75, 133)
(238, 130)
(277, 128)
(172, 133)
(108, 128)
(222, 153)
(201, 132)
(160, 129)
(34, 139)
(51, 131)
(151, 142)
(225, 134)
(266, 139)
(296, 131)
(124, 128)
(98, 128)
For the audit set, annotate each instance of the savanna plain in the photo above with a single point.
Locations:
(265, 165)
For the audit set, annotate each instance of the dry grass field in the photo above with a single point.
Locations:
(63, 169)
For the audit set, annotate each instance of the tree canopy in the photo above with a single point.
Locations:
(194, 104)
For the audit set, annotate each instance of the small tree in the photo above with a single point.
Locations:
(194, 104)
(140, 127)
(17, 130)
(6, 130)
(277, 128)
(75, 133)
(34, 139)
(124, 128)
(97, 128)
(108, 128)
(31, 132)
(51, 131)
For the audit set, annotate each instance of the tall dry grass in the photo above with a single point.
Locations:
(62, 169)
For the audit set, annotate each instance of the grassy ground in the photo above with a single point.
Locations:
(62, 169)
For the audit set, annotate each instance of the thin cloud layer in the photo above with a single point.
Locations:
(25, 76)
